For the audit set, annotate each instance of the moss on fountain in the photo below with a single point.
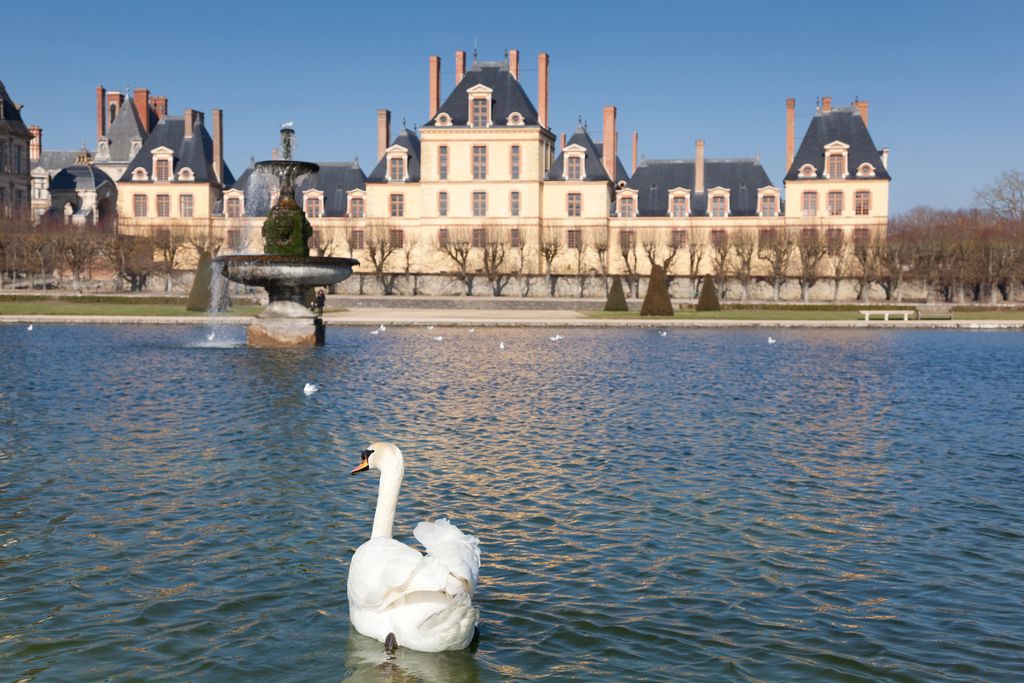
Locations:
(286, 231)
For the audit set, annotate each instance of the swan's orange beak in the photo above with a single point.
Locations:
(364, 464)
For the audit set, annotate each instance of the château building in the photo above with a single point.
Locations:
(15, 204)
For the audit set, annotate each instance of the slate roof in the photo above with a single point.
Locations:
(335, 179)
(55, 159)
(653, 179)
(508, 96)
(125, 127)
(79, 177)
(10, 116)
(843, 124)
(408, 139)
(195, 153)
(593, 166)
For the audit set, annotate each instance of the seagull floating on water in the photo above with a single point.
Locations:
(472, 330)
(30, 328)
(438, 338)
(430, 327)
(310, 389)
(374, 331)
(381, 328)
(211, 336)
(663, 333)
(772, 340)
(501, 345)
(557, 337)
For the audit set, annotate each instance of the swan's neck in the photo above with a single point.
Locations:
(387, 500)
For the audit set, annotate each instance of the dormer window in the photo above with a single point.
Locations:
(626, 203)
(313, 203)
(163, 158)
(865, 170)
(140, 174)
(163, 169)
(356, 204)
(768, 202)
(835, 160)
(443, 120)
(479, 106)
(836, 166)
(679, 202)
(479, 109)
(397, 169)
(514, 119)
(575, 168)
(718, 202)
(808, 171)
(186, 174)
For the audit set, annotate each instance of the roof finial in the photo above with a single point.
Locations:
(579, 120)
(474, 49)
(403, 122)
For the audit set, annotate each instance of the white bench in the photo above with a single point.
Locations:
(885, 314)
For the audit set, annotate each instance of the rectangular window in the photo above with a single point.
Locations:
(479, 203)
(479, 162)
(357, 240)
(836, 166)
(627, 207)
(17, 159)
(442, 203)
(234, 240)
(397, 205)
(766, 236)
(396, 167)
(835, 238)
(809, 234)
(357, 207)
(718, 238)
(574, 167)
(810, 203)
(678, 239)
(479, 112)
(627, 239)
(679, 207)
(234, 209)
(574, 204)
(769, 206)
(185, 206)
(835, 203)
(396, 238)
(442, 162)
(442, 237)
(516, 238)
(861, 236)
(513, 203)
(313, 207)
(163, 169)
(479, 237)
(574, 238)
(515, 162)
(718, 206)
(862, 203)
(139, 205)
(163, 205)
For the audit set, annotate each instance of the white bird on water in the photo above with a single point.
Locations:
(772, 340)
(438, 338)
(381, 328)
(472, 330)
(211, 336)
(400, 596)
(663, 333)
(501, 345)
(30, 327)
(430, 327)
(374, 331)
(310, 389)
(557, 337)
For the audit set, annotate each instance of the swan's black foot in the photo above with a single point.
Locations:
(390, 644)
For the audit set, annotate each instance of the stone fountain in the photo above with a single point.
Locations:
(285, 269)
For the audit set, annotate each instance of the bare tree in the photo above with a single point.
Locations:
(78, 248)
(495, 252)
(720, 250)
(837, 250)
(40, 248)
(457, 245)
(551, 246)
(895, 260)
(519, 267)
(777, 250)
(382, 243)
(130, 257)
(695, 251)
(599, 242)
(744, 246)
(865, 254)
(661, 248)
(812, 250)
(579, 254)
(631, 260)
(412, 274)
(168, 242)
(1004, 196)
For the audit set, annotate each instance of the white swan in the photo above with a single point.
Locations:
(772, 340)
(396, 594)
(310, 388)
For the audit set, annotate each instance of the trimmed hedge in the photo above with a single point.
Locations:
(616, 297)
(708, 296)
(657, 300)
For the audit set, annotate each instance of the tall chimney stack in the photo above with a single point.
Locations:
(435, 85)
(563, 140)
(862, 108)
(698, 169)
(113, 98)
(101, 117)
(790, 131)
(608, 144)
(513, 63)
(542, 89)
(189, 122)
(460, 65)
(826, 104)
(383, 131)
(218, 145)
(159, 108)
(35, 145)
(142, 107)
(636, 145)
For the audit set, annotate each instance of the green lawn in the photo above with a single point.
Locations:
(43, 306)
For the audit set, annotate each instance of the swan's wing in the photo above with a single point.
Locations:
(456, 552)
(380, 567)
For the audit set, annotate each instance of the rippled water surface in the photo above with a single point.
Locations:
(843, 505)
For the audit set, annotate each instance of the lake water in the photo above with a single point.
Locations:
(842, 505)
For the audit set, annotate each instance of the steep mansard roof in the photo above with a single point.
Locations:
(653, 179)
(125, 127)
(335, 179)
(53, 160)
(195, 153)
(408, 139)
(845, 125)
(593, 165)
(507, 96)
(79, 177)
(10, 116)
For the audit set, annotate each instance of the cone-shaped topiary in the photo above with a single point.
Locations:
(657, 300)
(708, 296)
(616, 297)
(199, 295)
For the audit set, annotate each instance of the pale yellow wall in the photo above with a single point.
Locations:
(849, 186)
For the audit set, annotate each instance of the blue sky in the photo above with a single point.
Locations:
(943, 79)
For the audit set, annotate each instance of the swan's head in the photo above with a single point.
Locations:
(379, 456)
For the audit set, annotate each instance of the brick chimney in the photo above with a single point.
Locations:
(189, 122)
(460, 65)
(218, 145)
(636, 145)
(383, 131)
(113, 98)
(435, 85)
(159, 108)
(826, 104)
(101, 119)
(35, 145)
(142, 107)
(513, 63)
(608, 144)
(698, 169)
(542, 89)
(790, 131)
(563, 141)
(862, 108)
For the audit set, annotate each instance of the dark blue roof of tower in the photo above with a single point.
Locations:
(79, 177)
(593, 164)
(195, 152)
(844, 125)
(507, 96)
(743, 177)
(408, 139)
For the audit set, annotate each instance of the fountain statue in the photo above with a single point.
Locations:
(285, 269)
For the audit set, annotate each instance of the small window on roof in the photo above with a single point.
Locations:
(865, 170)
(808, 171)
(443, 119)
(515, 119)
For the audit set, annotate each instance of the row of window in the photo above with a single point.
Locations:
(834, 199)
(397, 164)
(13, 158)
(140, 205)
